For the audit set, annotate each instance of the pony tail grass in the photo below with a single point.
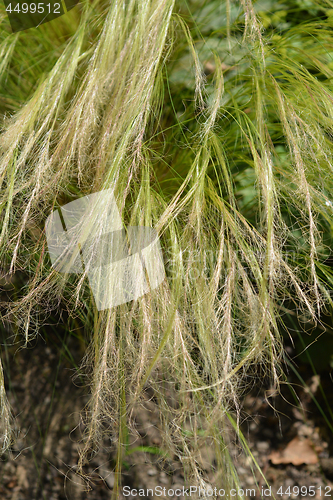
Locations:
(182, 158)
(6, 418)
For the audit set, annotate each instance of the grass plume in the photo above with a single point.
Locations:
(212, 131)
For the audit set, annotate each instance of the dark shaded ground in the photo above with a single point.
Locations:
(48, 403)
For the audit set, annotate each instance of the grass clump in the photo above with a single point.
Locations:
(215, 132)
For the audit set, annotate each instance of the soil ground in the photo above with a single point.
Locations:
(42, 464)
